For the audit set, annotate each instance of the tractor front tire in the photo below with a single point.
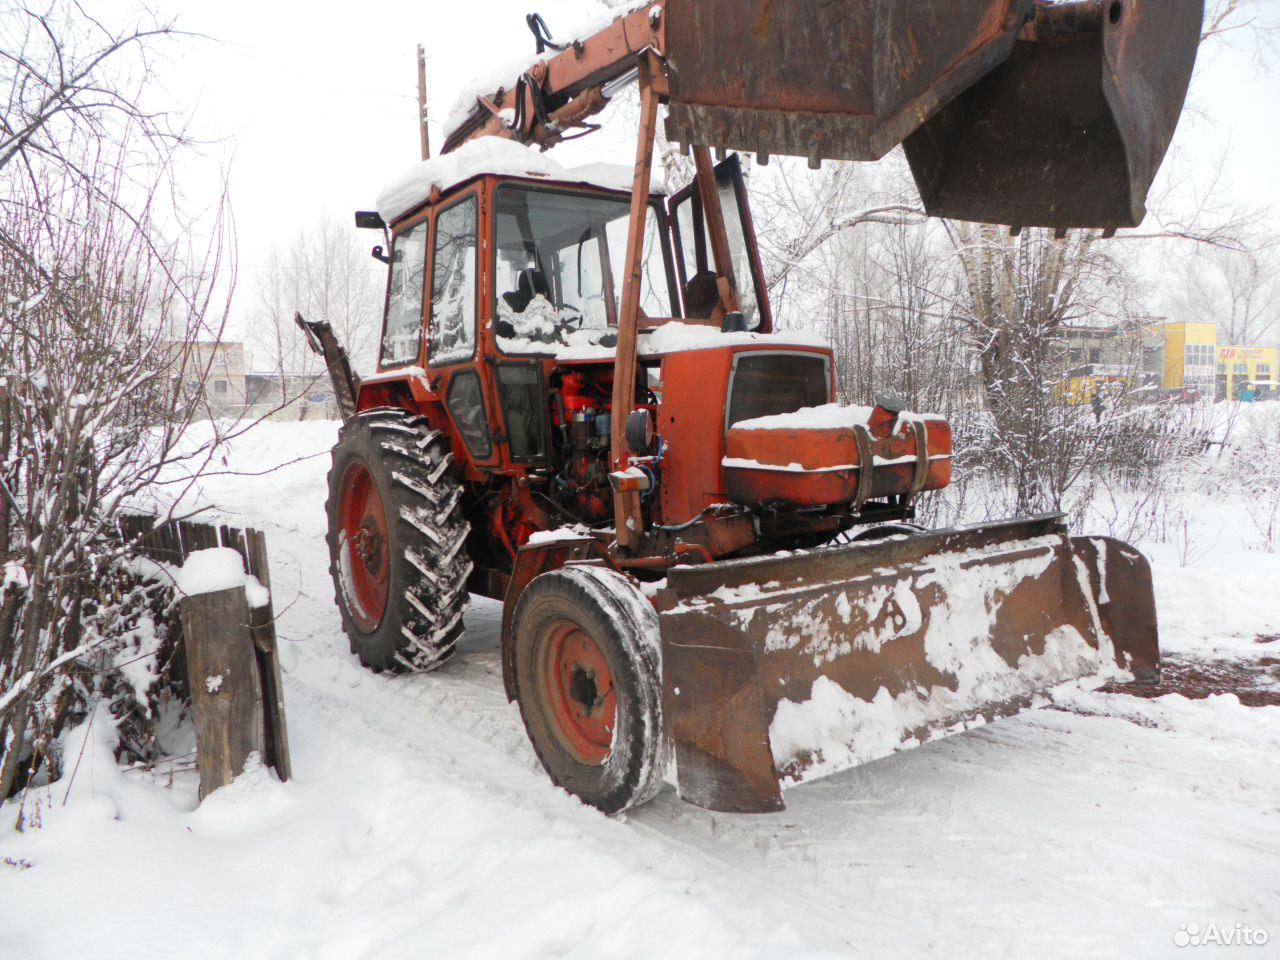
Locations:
(397, 538)
(588, 674)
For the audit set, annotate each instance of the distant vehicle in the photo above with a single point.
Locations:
(1182, 395)
(1258, 390)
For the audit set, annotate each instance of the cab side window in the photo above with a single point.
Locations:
(452, 332)
(402, 333)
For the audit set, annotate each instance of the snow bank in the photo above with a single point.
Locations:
(491, 155)
(219, 568)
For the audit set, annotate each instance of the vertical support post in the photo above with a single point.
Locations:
(709, 193)
(422, 103)
(226, 695)
(262, 627)
(628, 520)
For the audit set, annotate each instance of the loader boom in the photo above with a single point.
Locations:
(1015, 112)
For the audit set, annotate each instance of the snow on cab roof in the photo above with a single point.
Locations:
(491, 155)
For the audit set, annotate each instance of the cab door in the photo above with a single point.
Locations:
(455, 367)
(693, 245)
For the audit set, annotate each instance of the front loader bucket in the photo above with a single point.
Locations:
(844, 80)
(1071, 130)
(786, 668)
(1012, 111)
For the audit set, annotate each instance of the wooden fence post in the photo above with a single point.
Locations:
(226, 693)
(229, 650)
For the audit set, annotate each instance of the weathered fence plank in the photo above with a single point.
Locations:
(226, 692)
(263, 627)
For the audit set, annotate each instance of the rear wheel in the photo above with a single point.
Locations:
(396, 541)
(588, 679)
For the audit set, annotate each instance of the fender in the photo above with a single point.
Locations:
(404, 387)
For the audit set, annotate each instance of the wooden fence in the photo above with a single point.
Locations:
(232, 662)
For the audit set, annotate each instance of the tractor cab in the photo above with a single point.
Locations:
(506, 274)
(556, 240)
(505, 293)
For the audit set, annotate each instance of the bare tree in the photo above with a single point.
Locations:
(327, 274)
(1238, 290)
(70, 80)
(1224, 18)
(100, 308)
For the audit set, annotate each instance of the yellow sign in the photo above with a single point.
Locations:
(1242, 354)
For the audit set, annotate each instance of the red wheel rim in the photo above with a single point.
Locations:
(578, 689)
(365, 559)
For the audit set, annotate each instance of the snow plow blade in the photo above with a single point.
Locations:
(788, 668)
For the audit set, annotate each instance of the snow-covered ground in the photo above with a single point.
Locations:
(420, 824)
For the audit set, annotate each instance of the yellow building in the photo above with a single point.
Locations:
(1189, 356)
(1241, 369)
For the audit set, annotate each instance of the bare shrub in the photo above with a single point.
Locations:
(99, 307)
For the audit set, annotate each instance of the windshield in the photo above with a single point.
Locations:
(559, 269)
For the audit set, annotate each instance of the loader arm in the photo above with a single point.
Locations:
(1017, 112)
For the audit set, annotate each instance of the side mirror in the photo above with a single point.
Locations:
(369, 220)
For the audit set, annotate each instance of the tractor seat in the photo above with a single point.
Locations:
(530, 283)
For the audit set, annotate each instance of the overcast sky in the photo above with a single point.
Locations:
(315, 110)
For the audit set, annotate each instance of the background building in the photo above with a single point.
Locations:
(1242, 369)
(215, 369)
(1190, 355)
(215, 377)
(1193, 359)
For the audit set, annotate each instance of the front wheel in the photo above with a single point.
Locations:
(588, 674)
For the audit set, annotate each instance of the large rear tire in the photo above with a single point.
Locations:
(397, 541)
(588, 674)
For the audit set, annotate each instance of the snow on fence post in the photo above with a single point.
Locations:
(228, 642)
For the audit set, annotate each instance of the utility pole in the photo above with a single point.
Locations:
(422, 102)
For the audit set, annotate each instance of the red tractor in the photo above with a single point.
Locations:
(582, 408)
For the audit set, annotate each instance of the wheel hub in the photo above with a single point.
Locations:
(366, 559)
(582, 688)
(578, 689)
(368, 545)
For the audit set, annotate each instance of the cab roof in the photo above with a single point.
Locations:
(491, 155)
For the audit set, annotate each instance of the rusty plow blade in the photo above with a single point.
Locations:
(782, 669)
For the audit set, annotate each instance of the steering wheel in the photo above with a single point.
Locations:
(569, 322)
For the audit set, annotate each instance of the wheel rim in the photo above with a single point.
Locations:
(365, 555)
(577, 687)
